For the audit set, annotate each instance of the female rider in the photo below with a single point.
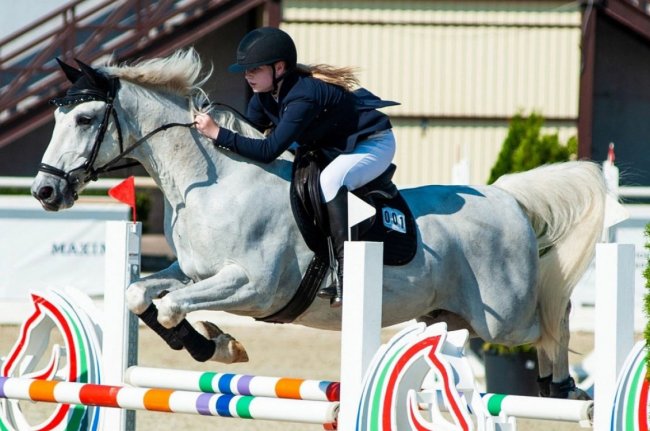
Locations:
(311, 106)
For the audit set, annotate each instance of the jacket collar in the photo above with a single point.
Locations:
(288, 81)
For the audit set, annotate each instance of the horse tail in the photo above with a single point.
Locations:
(565, 203)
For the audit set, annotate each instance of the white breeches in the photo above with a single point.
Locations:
(368, 160)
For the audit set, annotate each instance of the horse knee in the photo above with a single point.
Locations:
(137, 299)
(169, 312)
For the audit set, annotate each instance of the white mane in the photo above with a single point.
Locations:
(231, 121)
(180, 74)
(177, 73)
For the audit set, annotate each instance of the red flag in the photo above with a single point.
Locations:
(125, 192)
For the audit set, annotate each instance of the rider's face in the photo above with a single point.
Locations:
(260, 78)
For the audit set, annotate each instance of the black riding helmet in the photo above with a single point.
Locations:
(262, 46)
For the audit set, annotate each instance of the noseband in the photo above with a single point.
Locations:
(87, 172)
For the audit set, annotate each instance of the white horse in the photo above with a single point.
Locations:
(498, 260)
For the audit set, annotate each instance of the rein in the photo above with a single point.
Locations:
(109, 166)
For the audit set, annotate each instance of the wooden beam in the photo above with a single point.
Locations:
(631, 16)
(273, 13)
(586, 98)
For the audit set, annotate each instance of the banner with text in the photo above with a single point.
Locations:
(40, 249)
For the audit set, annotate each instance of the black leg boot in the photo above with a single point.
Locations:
(337, 211)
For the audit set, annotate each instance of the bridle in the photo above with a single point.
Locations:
(87, 172)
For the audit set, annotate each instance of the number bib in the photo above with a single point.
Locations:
(394, 219)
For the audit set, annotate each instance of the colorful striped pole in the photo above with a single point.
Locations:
(501, 407)
(166, 400)
(517, 406)
(232, 384)
(554, 409)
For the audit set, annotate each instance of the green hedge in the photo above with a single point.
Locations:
(525, 147)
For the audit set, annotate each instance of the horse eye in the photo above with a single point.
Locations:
(84, 120)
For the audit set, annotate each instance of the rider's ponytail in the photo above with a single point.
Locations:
(342, 76)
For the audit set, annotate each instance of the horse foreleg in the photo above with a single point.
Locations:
(140, 296)
(141, 293)
(222, 291)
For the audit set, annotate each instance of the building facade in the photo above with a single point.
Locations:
(460, 69)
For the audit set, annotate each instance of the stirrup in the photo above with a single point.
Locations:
(328, 292)
(336, 301)
(333, 293)
(335, 290)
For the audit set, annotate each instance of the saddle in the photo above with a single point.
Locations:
(393, 224)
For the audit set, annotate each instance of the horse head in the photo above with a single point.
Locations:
(95, 130)
(83, 140)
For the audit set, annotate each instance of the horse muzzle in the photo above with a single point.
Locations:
(53, 195)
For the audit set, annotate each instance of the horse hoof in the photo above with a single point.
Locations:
(228, 350)
(568, 390)
(578, 394)
(237, 351)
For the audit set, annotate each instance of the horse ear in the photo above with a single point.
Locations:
(70, 72)
(91, 73)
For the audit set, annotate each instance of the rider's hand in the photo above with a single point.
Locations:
(206, 125)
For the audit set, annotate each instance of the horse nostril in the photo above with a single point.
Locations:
(45, 192)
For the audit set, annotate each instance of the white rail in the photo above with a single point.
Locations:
(634, 192)
(101, 184)
(147, 182)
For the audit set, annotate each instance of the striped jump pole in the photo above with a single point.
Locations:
(576, 411)
(501, 407)
(232, 384)
(171, 401)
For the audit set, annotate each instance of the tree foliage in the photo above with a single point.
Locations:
(525, 147)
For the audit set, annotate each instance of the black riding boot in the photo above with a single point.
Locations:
(337, 211)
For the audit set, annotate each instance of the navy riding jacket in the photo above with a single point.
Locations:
(310, 112)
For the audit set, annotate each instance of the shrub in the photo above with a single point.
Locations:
(525, 147)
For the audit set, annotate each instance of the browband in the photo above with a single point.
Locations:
(101, 88)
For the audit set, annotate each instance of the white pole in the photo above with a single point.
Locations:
(361, 322)
(538, 408)
(119, 328)
(614, 325)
